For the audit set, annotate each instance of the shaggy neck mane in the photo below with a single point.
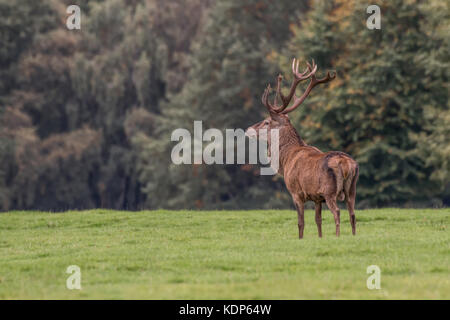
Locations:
(289, 139)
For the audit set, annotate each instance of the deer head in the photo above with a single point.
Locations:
(278, 112)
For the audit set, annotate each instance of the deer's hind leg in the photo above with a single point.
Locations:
(351, 212)
(300, 206)
(319, 218)
(332, 205)
(350, 198)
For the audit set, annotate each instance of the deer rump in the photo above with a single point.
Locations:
(319, 175)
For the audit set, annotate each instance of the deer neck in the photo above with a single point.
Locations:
(289, 139)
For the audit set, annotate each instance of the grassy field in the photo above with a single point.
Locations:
(223, 255)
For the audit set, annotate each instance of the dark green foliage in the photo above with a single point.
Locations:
(86, 115)
(385, 82)
(229, 69)
(71, 85)
(20, 21)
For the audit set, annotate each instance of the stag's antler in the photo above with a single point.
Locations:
(298, 77)
(309, 72)
(314, 81)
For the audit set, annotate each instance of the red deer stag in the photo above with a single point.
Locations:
(309, 174)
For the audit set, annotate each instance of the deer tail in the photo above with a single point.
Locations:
(351, 177)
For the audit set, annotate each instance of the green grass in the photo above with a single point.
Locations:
(223, 255)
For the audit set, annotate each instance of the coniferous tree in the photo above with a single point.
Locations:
(86, 115)
(230, 67)
(378, 99)
(84, 85)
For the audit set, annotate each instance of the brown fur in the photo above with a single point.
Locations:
(312, 175)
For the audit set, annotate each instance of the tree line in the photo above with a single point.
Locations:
(86, 115)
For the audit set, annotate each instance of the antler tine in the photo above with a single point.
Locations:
(299, 76)
(314, 81)
(328, 77)
(278, 93)
(265, 98)
(312, 68)
(308, 73)
(295, 64)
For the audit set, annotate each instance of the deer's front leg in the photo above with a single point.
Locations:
(319, 218)
(301, 217)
